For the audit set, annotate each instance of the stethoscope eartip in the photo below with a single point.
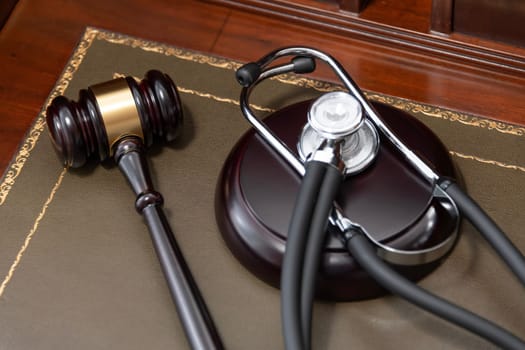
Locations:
(303, 64)
(248, 74)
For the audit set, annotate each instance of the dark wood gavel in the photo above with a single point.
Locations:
(120, 119)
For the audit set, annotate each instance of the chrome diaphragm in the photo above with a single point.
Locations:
(338, 116)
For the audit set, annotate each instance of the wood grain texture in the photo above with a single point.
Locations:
(355, 6)
(6, 6)
(405, 28)
(441, 17)
(495, 20)
(40, 35)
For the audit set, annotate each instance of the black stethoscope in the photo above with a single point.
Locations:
(340, 139)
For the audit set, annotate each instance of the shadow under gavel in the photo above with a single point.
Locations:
(120, 119)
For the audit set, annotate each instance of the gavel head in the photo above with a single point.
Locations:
(108, 112)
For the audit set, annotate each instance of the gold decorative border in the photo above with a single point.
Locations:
(221, 99)
(163, 49)
(16, 166)
(322, 86)
(266, 109)
(188, 91)
(446, 114)
(202, 94)
(488, 161)
(31, 233)
(413, 107)
(23, 153)
(92, 34)
(400, 103)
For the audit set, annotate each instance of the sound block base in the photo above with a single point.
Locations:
(256, 193)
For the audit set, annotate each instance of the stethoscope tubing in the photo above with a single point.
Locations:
(292, 266)
(300, 267)
(316, 239)
(337, 219)
(492, 233)
(296, 314)
(304, 248)
(442, 187)
(361, 249)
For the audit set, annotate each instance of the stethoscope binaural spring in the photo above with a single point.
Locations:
(251, 74)
(339, 140)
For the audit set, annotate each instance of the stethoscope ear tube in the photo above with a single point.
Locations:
(315, 246)
(364, 253)
(487, 227)
(304, 247)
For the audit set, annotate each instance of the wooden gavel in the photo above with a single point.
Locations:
(120, 119)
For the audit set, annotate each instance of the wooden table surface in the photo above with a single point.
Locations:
(40, 35)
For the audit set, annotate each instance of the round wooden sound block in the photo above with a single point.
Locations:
(256, 193)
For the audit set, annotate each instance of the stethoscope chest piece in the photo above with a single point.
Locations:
(257, 189)
(339, 115)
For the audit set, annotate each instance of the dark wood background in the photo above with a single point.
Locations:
(39, 36)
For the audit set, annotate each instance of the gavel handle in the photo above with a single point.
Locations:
(198, 325)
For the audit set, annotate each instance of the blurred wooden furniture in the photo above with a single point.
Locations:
(442, 16)
(352, 5)
(6, 6)
(411, 26)
(387, 48)
(493, 20)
